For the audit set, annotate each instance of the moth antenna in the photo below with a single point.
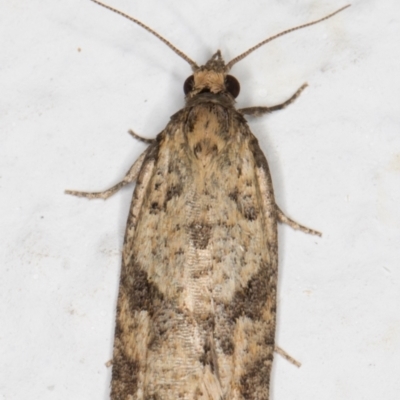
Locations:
(170, 45)
(246, 53)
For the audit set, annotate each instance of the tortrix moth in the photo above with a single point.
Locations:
(197, 298)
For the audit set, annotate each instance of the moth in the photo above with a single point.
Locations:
(197, 298)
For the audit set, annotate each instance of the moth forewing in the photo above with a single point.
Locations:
(197, 298)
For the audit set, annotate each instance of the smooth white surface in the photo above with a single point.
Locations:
(75, 77)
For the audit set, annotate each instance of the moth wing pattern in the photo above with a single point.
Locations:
(196, 308)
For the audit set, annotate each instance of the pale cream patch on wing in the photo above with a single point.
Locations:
(140, 190)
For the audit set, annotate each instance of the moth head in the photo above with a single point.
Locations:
(211, 77)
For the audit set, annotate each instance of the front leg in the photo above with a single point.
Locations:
(257, 111)
(130, 177)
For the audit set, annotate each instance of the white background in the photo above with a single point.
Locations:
(75, 77)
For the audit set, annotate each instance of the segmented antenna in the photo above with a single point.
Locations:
(233, 61)
(170, 45)
(246, 53)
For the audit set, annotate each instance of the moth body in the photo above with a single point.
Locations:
(196, 307)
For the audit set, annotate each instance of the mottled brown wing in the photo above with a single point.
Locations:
(196, 308)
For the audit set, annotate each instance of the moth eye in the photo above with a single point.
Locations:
(232, 85)
(188, 85)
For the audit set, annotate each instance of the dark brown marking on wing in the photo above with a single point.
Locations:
(234, 195)
(155, 208)
(244, 204)
(173, 191)
(227, 345)
(125, 370)
(258, 155)
(142, 294)
(255, 382)
(250, 213)
(250, 301)
(209, 356)
(200, 234)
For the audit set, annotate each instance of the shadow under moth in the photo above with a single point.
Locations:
(197, 297)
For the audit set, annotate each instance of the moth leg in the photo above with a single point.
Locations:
(286, 220)
(286, 356)
(140, 138)
(130, 177)
(257, 111)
